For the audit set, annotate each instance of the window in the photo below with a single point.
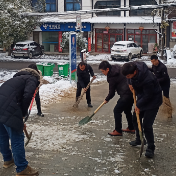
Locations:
(50, 5)
(141, 12)
(107, 4)
(73, 5)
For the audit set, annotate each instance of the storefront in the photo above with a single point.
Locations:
(106, 38)
(108, 30)
(51, 34)
(143, 37)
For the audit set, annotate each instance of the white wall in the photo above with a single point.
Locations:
(60, 5)
(112, 26)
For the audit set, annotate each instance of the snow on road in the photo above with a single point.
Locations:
(91, 59)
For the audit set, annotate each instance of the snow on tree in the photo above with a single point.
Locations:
(80, 41)
(13, 26)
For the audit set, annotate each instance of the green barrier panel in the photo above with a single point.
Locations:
(40, 67)
(73, 76)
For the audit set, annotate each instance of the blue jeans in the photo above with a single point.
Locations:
(17, 145)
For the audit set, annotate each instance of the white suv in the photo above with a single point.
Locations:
(125, 50)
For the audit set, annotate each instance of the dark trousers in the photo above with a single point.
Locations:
(148, 118)
(78, 92)
(37, 99)
(165, 89)
(124, 104)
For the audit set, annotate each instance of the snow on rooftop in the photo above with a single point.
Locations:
(142, 19)
(123, 42)
(25, 42)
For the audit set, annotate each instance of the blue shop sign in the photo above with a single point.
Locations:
(64, 27)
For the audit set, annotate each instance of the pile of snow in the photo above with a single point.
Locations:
(50, 93)
(6, 75)
(56, 87)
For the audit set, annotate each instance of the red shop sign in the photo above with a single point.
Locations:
(60, 41)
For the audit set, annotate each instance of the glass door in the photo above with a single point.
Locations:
(145, 43)
(99, 42)
(105, 43)
(112, 40)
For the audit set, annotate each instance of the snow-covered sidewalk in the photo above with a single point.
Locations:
(54, 90)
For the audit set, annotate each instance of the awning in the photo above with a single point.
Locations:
(109, 20)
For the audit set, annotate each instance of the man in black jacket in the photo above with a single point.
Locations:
(118, 82)
(83, 72)
(15, 97)
(160, 71)
(149, 98)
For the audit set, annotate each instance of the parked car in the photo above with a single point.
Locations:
(125, 50)
(27, 49)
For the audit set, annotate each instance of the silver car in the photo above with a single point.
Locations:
(27, 49)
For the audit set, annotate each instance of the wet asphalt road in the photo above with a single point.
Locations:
(100, 154)
(11, 65)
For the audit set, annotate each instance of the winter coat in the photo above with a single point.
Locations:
(160, 72)
(15, 97)
(147, 88)
(84, 76)
(117, 82)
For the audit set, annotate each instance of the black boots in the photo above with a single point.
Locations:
(137, 142)
(90, 106)
(150, 151)
(40, 114)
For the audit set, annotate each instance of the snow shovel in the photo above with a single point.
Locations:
(29, 135)
(80, 97)
(89, 118)
(139, 127)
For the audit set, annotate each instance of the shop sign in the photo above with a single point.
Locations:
(78, 22)
(64, 27)
(51, 26)
(105, 32)
(174, 29)
(72, 53)
(60, 41)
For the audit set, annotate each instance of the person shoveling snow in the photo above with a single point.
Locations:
(15, 97)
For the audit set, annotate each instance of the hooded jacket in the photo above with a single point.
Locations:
(117, 82)
(15, 97)
(84, 76)
(147, 88)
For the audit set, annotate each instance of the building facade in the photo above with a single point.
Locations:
(100, 29)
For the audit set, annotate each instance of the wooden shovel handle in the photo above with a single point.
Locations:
(137, 115)
(26, 133)
(79, 99)
(99, 107)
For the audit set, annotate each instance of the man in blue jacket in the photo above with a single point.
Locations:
(149, 98)
(83, 72)
(15, 97)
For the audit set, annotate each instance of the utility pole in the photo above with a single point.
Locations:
(162, 32)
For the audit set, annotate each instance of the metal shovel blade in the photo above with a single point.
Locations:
(28, 139)
(86, 120)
